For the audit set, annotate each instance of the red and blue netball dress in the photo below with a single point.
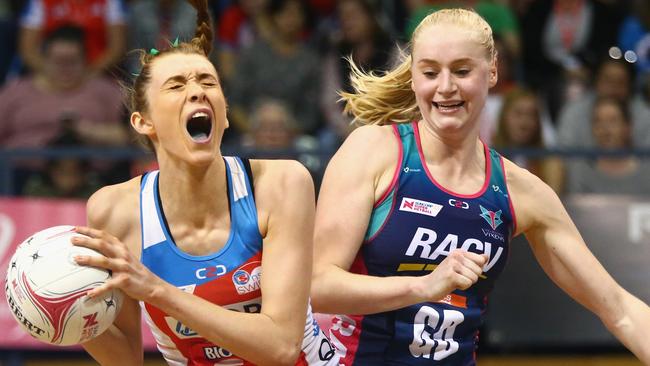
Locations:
(229, 278)
(413, 228)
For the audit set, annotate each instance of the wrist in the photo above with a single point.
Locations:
(419, 289)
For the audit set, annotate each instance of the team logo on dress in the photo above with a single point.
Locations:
(247, 278)
(458, 204)
(492, 218)
(420, 207)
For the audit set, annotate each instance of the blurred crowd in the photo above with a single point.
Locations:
(572, 74)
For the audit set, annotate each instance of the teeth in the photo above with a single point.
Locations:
(200, 114)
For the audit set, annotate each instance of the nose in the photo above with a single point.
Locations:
(196, 93)
(446, 83)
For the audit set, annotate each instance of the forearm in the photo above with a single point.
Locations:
(255, 337)
(114, 348)
(336, 291)
(633, 327)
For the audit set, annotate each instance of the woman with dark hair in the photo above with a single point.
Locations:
(191, 241)
(611, 128)
(520, 127)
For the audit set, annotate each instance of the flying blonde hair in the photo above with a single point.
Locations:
(387, 98)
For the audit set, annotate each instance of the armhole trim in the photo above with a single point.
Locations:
(398, 168)
(249, 172)
(512, 207)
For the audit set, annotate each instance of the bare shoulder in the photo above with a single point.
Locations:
(283, 188)
(115, 208)
(371, 144)
(274, 179)
(532, 199)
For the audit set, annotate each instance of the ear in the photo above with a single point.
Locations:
(493, 77)
(227, 124)
(141, 124)
(412, 85)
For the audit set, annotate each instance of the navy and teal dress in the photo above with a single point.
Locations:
(414, 227)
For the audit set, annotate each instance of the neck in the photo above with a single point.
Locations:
(452, 157)
(193, 195)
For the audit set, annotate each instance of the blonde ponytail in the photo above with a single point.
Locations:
(381, 99)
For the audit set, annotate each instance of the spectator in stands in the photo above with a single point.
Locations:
(359, 35)
(613, 80)
(275, 133)
(155, 23)
(611, 129)
(36, 109)
(520, 127)
(68, 177)
(506, 69)
(499, 16)
(8, 31)
(103, 22)
(283, 67)
(634, 35)
(563, 41)
(242, 24)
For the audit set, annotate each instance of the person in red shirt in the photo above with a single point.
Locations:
(103, 22)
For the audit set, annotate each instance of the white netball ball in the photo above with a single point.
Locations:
(46, 289)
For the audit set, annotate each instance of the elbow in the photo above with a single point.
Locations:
(284, 355)
(316, 294)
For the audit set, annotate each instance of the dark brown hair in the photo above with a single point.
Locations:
(201, 44)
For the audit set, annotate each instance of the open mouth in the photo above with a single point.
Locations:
(199, 126)
(448, 106)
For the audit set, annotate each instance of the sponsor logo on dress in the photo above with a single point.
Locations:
(411, 170)
(458, 204)
(420, 207)
(248, 277)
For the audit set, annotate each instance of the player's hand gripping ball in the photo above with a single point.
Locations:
(46, 289)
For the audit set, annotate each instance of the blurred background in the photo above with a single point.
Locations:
(572, 105)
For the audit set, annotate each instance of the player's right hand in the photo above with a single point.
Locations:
(460, 270)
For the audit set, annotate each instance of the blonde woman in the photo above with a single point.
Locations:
(415, 214)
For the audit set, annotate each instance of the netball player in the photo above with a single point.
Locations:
(217, 250)
(415, 213)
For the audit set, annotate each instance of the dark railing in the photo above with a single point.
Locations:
(316, 160)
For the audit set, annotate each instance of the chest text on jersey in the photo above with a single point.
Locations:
(425, 239)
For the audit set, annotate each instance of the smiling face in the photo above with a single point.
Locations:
(451, 74)
(186, 109)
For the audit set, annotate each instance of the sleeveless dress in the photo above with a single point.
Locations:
(413, 227)
(229, 278)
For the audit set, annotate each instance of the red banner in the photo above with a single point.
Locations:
(19, 219)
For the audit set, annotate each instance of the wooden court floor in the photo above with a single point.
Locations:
(519, 360)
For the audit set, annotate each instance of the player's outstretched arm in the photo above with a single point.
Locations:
(564, 256)
(356, 176)
(121, 344)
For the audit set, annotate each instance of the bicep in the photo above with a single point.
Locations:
(345, 204)
(286, 265)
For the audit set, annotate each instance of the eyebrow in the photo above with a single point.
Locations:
(181, 78)
(429, 61)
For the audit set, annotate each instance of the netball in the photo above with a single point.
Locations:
(46, 290)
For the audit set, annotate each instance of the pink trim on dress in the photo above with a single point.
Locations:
(512, 208)
(488, 169)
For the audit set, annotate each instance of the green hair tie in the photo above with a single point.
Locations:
(175, 44)
(153, 51)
